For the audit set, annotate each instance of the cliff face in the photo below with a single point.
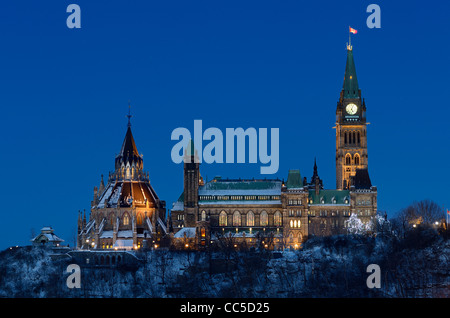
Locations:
(414, 266)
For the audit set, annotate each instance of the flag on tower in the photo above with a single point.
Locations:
(354, 31)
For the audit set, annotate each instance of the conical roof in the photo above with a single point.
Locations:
(350, 87)
(129, 153)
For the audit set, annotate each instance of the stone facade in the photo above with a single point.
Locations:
(275, 214)
(126, 213)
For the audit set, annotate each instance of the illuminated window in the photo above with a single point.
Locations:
(236, 218)
(250, 219)
(126, 219)
(264, 218)
(277, 219)
(203, 215)
(223, 218)
(139, 219)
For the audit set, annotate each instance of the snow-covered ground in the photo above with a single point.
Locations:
(325, 267)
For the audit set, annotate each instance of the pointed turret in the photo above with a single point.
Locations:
(129, 154)
(350, 87)
(315, 179)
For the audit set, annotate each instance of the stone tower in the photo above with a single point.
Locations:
(351, 128)
(191, 185)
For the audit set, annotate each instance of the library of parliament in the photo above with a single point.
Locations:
(126, 213)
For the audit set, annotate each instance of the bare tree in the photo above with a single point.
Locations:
(423, 212)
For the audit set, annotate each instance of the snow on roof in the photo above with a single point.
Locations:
(120, 243)
(248, 202)
(49, 236)
(189, 231)
(107, 234)
(244, 187)
(178, 206)
(125, 233)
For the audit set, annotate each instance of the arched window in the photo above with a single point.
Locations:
(348, 159)
(203, 216)
(223, 218)
(139, 219)
(264, 219)
(277, 219)
(359, 138)
(111, 218)
(356, 159)
(236, 218)
(349, 137)
(250, 219)
(354, 137)
(126, 219)
(345, 138)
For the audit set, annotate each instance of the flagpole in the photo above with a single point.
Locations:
(349, 37)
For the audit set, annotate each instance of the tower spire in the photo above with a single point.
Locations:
(129, 114)
(350, 87)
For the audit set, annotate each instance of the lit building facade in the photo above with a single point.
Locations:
(277, 214)
(126, 213)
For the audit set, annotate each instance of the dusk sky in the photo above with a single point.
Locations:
(264, 64)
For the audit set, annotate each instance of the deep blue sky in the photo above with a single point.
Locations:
(64, 94)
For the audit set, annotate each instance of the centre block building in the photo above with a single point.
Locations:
(278, 214)
(268, 213)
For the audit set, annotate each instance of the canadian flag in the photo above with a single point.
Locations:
(354, 31)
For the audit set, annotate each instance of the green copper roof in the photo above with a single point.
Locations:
(329, 197)
(191, 148)
(294, 179)
(234, 184)
(350, 87)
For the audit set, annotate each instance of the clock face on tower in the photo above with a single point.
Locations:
(351, 109)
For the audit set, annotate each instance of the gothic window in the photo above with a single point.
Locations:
(291, 237)
(126, 219)
(139, 219)
(223, 218)
(356, 159)
(348, 159)
(203, 215)
(111, 218)
(354, 137)
(250, 219)
(236, 218)
(264, 218)
(345, 138)
(359, 138)
(349, 137)
(277, 219)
